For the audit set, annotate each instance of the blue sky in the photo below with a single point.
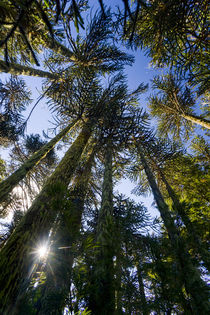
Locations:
(41, 118)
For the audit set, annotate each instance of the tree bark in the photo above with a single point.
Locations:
(8, 184)
(58, 48)
(205, 256)
(16, 258)
(118, 286)
(61, 256)
(103, 300)
(197, 120)
(194, 285)
(107, 192)
(17, 69)
(144, 308)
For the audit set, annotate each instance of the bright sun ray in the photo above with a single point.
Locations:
(42, 251)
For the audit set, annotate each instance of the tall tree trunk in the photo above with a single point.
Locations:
(61, 257)
(58, 48)
(205, 256)
(8, 184)
(144, 307)
(169, 288)
(190, 275)
(118, 286)
(118, 269)
(17, 69)
(17, 258)
(197, 120)
(103, 300)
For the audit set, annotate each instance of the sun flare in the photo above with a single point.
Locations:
(42, 251)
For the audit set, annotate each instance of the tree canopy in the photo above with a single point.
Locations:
(73, 243)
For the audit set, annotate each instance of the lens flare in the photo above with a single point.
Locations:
(42, 251)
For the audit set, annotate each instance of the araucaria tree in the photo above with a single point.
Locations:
(81, 247)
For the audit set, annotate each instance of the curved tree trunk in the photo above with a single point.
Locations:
(8, 184)
(194, 285)
(197, 120)
(17, 69)
(61, 257)
(16, 258)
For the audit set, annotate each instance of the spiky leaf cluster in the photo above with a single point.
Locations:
(14, 98)
(169, 104)
(173, 33)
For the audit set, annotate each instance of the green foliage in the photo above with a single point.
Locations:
(174, 34)
(85, 312)
(22, 152)
(171, 101)
(25, 26)
(101, 258)
(2, 169)
(14, 98)
(33, 143)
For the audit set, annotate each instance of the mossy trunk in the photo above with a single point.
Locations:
(170, 286)
(192, 281)
(57, 285)
(8, 184)
(118, 286)
(118, 270)
(179, 208)
(197, 120)
(62, 50)
(103, 300)
(16, 258)
(17, 69)
(58, 48)
(107, 193)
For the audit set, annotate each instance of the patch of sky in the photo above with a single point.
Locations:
(41, 119)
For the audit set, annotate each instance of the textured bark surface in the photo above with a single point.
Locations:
(118, 286)
(141, 290)
(190, 275)
(8, 184)
(197, 120)
(103, 301)
(62, 255)
(16, 258)
(58, 48)
(17, 69)
(205, 255)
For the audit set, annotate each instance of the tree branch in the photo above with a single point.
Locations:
(17, 69)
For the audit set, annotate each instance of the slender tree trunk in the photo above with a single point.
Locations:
(205, 256)
(144, 308)
(17, 258)
(118, 272)
(103, 301)
(61, 257)
(197, 120)
(62, 50)
(163, 291)
(190, 275)
(58, 48)
(118, 286)
(17, 69)
(8, 184)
